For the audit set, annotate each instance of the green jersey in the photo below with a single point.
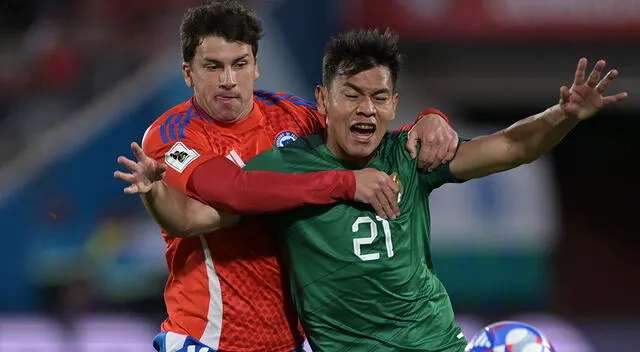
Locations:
(360, 282)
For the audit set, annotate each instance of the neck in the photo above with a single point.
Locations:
(335, 148)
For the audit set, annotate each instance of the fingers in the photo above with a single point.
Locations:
(391, 197)
(580, 70)
(447, 151)
(385, 200)
(384, 208)
(614, 98)
(133, 189)
(412, 142)
(596, 73)
(138, 152)
(451, 151)
(441, 157)
(126, 177)
(128, 163)
(606, 81)
(565, 93)
(428, 154)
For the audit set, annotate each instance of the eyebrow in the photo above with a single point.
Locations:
(361, 91)
(214, 61)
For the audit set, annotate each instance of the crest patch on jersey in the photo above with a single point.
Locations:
(285, 138)
(179, 156)
(395, 178)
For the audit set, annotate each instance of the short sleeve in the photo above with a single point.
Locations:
(442, 174)
(182, 155)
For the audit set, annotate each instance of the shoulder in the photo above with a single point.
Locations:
(180, 124)
(289, 115)
(282, 100)
(395, 142)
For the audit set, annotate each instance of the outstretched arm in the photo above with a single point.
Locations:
(530, 138)
(223, 185)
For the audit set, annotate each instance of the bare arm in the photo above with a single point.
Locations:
(182, 216)
(521, 143)
(530, 138)
(176, 213)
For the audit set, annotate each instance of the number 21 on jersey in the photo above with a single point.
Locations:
(358, 243)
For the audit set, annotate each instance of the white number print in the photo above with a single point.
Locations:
(373, 229)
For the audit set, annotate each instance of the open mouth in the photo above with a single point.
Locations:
(363, 130)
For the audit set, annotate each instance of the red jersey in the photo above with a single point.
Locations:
(226, 289)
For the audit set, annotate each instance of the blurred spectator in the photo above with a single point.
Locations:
(57, 56)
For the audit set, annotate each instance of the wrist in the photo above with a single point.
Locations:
(556, 114)
(430, 112)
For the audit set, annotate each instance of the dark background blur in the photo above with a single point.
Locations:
(554, 243)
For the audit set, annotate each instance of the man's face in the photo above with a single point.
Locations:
(358, 109)
(222, 74)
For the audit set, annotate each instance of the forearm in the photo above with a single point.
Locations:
(226, 187)
(538, 134)
(521, 143)
(181, 216)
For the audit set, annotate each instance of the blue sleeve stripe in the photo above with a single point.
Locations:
(172, 127)
(163, 128)
(175, 124)
(270, 98)
(191, 112)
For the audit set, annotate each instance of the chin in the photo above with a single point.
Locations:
(361, 151)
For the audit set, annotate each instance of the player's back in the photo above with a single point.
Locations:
(359, 282)
(225, 288)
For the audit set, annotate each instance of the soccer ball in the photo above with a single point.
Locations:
(509, 336)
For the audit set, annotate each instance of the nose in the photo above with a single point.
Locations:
(366, 107)
(227, 78)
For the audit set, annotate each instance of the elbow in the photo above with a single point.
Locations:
(527, 158)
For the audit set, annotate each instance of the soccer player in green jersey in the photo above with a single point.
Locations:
(363, 283)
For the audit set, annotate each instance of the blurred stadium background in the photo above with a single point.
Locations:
(554, 244)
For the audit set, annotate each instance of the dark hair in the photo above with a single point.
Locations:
(355, 51)
(229, 19)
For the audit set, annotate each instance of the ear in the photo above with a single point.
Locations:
(321, 95)
(395, 100)
(186, 74)
(256, 71)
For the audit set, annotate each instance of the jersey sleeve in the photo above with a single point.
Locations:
(441, 175)
(182, 151)
(246, 191)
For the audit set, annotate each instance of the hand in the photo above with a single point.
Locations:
(438, 142)
(378, 189)
(143, 173)
(585, 98)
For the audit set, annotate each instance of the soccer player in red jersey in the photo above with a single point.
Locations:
(224, 292)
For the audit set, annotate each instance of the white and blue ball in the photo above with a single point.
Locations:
(509, 336)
